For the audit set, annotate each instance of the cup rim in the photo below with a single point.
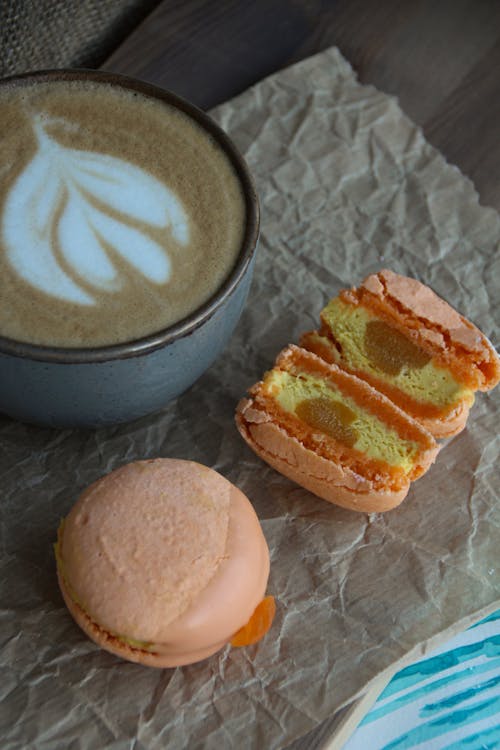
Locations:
(188, 324)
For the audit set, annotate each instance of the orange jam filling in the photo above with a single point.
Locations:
(390, 350)
(331, 417)
(258, 624)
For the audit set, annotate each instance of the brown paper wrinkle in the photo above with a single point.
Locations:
(348, 186)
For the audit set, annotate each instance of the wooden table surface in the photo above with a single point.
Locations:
(441, 58)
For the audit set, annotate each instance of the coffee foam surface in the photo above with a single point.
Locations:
(119, 215)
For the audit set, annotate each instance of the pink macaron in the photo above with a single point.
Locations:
(162, 562)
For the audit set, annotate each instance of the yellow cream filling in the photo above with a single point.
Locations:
(423, 383)
(132, 642)
(370, 435)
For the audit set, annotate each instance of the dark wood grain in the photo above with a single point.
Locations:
(439, 57)
(466, 126)
(209, 51)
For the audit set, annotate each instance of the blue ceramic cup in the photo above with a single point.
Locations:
(103, 385)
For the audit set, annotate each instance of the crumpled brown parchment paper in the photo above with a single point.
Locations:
(348, 185)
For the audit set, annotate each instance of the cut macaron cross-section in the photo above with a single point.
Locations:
(411, 345)
(163, 562)
(332, 433)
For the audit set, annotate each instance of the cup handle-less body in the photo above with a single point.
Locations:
(116, 390)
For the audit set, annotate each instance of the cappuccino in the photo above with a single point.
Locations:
(119, 214)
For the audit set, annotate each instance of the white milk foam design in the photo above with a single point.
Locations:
(52, 209)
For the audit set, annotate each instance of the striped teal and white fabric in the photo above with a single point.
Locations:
(449, 700)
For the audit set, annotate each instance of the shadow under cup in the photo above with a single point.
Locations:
(103, 385)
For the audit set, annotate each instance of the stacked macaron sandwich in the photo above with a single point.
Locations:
(163, 562)
(353, 414)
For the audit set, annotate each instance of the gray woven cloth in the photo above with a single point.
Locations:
(37, 34)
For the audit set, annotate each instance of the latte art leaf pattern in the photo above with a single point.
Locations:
(69, 208)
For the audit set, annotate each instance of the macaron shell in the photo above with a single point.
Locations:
(221, 609)
(449, 426)
(231, 596)
(114, 645)
(141, 544)
(419, 299)
(444, 327)
(264, 435)
(323, 478)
